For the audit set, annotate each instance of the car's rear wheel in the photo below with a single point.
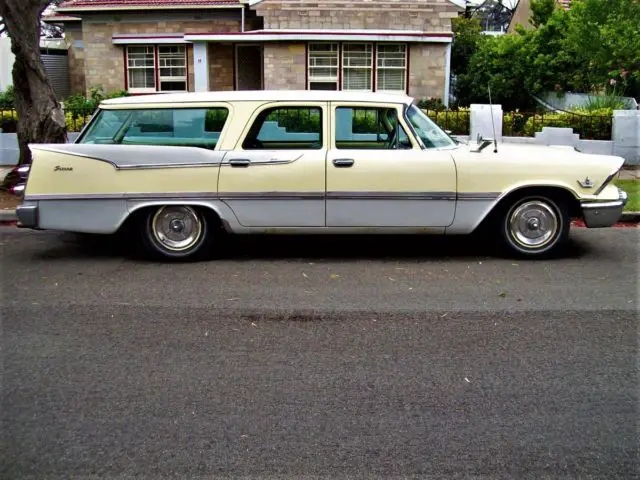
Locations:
(177, 232)
(535, 226)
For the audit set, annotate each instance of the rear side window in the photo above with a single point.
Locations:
(189, 127)
(286, 128)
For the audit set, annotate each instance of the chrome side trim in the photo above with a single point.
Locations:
(391, 196)
(258, 163)
(121, 157)
(606, 182)
(478, 195)
(436, 196)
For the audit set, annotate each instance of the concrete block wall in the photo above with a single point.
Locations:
(427, 70)
(221, 58)
(284, 66)
(426, 15)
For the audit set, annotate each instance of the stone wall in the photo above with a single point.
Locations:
(104, 62)
(427, 70)
(284, 66)
(221, 59)
(76, 58)
(426, 15)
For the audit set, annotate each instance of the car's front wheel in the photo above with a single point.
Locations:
(535, 226)
(177, 232)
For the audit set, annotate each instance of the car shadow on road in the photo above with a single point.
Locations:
(302, 247)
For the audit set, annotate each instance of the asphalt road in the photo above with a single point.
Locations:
(352, 357)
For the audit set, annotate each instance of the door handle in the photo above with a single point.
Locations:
(343, 162)
(240, 162)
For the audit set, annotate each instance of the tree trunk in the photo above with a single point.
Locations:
(40, 115)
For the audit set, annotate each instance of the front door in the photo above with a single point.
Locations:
(377, 176)
(248, 67)
(275, 177)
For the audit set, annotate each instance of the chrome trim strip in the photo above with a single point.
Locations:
(478, 195)
(134, 166)
(257, 163)
(606, 182)
(623, 197)
(434, 196)
(271, 196)
(450, 196)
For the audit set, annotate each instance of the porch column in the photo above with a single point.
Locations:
(447, 76)
(200, 67)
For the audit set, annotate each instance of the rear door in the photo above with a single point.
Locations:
(275, 176)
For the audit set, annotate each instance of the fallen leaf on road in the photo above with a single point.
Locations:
(442, 316)
(305, 275)
(254, 324)
(502, 294)
(515, 264)
(333, 276)
(232, 299)
(206, 334)
(392, 279)
(466, 380)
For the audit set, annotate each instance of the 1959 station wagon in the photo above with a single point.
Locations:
(184, 168)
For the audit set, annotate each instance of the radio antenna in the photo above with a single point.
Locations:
(495, 139)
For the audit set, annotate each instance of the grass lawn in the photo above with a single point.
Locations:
(632, 187)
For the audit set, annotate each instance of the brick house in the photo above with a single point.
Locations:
(146, 46)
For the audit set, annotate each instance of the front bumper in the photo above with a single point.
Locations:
(604, 214)
(27, 216)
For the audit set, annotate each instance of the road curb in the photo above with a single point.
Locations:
(630, 217)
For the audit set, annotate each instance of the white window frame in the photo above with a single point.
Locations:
(311, 66)
(157, 78)
(129, 68)
(381, 68)
(370, 67)
(179, 78)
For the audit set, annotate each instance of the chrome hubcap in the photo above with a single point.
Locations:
(176, 227)
(533, 224)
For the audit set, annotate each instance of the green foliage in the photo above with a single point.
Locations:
(80, 106)
(8, 121)
(458, 122)
(7, 98)
(467, 34)
(214, 120)
(607, 102)
(432, 104)
(592, 48)
(632, 187)
(590, 127)
(541, 11)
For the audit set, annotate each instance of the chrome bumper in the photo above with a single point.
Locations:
(27, 216)
(604, 214)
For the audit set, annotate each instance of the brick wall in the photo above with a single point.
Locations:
(221, 58)
(284, 66)
(427, 70)
(426, 15)
(104, 62)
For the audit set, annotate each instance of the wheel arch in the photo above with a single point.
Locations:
(554, 191)
(138, 210)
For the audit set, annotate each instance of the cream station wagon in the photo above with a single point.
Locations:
(185, 168)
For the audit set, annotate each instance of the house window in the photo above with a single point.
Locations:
(357, 66)
(391, 72)
(161, 68)
(353, 66)
(323, 66)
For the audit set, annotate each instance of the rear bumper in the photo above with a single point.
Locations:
(27, 216)
(604, 214)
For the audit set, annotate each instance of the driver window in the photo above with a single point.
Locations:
(369, 128)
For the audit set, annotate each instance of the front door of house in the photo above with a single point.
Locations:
(248, 67)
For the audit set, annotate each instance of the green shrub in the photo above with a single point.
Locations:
(7, 98)
(8, 121)
(456, 121)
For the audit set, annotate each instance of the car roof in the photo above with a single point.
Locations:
(261, 95)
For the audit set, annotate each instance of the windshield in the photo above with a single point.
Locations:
(431, 134)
